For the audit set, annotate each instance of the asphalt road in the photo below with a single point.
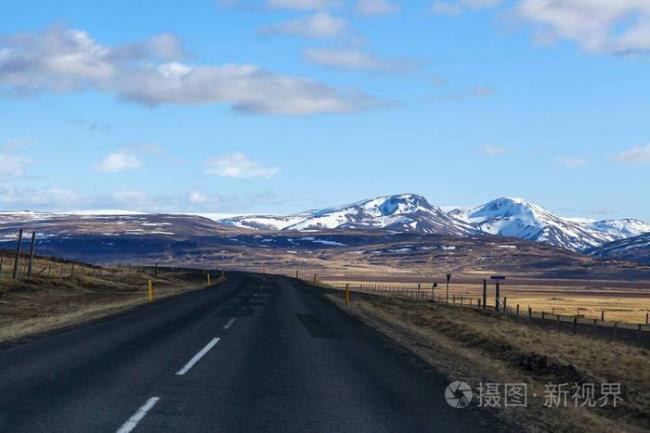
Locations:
(250, 355)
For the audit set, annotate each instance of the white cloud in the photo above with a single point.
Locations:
(573, 162)
(117, 162)
(197, 197)
(356, 59)
(491, 150)
(321, 25)
(237, 165)
(64, 60)
(638, 154)
(12, 165)
(300, 4)
(456, 7)
(10, 195)
(612, 26)
(376, 7)
(596, 25)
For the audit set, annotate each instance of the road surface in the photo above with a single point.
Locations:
(255, 354)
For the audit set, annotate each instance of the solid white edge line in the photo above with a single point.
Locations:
(197, 357)
(229, 324)
(132, 422)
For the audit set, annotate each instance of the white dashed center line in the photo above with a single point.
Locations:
(197, 357)
(132, 422)
(229, 324)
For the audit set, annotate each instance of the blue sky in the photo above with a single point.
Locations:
(285, 105)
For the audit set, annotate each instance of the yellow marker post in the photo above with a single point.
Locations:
(208, 279)
(347, 293)
(150, 290)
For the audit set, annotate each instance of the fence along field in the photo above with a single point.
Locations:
(39, 294)
(618, 313)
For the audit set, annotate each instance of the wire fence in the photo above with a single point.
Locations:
(620, 331)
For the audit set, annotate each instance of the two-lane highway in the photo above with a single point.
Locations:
(256, 354)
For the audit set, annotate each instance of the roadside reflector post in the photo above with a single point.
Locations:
(72, 271)
(530, 313)
(347, 293)
(297, 274)
(209, 282)
(433, 298)
(150, 290)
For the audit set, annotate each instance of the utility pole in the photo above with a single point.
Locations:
(20, 239)
(31, 255)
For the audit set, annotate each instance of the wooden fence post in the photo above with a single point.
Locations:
(557, 319)
(517, 313)
(2, 262)
(20, 239)
(646, 314)
(31, 255)
(614, 329)
(602, 316)
(505, 305)
(575, 325)
(530, 313)
(484, 294)
(496, 303)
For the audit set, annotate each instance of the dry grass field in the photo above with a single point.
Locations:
(59, 293)
(624, 302)
(472, 346)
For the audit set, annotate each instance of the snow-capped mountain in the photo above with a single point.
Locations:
(636, 249)
(621, 229)
(404, 213)
(515, 217)
(519, 218)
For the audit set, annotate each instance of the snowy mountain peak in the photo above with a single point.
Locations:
(403, 212)
(505, 216)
